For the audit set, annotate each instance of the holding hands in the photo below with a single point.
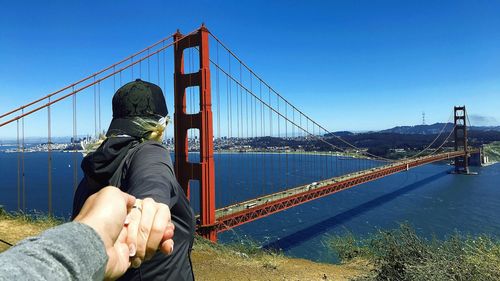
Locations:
(149, 229)
(132, 229)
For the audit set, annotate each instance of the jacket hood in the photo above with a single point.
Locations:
(100, 165)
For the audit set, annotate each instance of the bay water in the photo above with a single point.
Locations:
(433, 201)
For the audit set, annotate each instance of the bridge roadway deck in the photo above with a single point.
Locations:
(243, 212)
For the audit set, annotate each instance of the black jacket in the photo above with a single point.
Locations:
(143, 170)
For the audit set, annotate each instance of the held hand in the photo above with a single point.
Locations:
(150, 229)
(105, 212)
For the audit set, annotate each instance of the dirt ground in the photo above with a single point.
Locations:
(218, 262)
(210, 266)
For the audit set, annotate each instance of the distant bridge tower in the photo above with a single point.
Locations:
(460, 132)
(202, 120)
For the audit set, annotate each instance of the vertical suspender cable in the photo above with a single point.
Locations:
(75, 162)
(248, 179)
(238, 135)
(330, 155)
(286, 138)
(254, 182)
(227, 138)
(247, 119)
(301, 155)
(314, 153)
(229, 103)
(132, 68)
(247, 142)
(241, 105)
(164, 68)
(262, 134)
(140, 68)
(49, 153)
(230, 129)
(158, 68)
(22, 163)
(96, 131)
(149, 76)
(217, 92)
(325, 156)
(306, 157)
(257, 157)
(238, 107)
(98, 105)
(271, 155)
(18, 169)
(292, 173)
(114, 80)
(280, 174)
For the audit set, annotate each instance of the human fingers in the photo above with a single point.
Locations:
(118, 257)
(167, 247)
(158, 228)
(169, 232)
(134, 220)
(167, 242)
(149, 208)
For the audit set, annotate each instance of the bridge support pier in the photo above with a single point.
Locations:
(460, 133)
(204, 170)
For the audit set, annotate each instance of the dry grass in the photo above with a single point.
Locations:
(17, 226)
(247, 262)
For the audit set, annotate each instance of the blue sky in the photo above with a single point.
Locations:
(350, 65)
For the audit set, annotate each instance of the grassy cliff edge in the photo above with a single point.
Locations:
(212, 261)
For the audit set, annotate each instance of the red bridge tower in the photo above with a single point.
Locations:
(204, 170)
(460, 132)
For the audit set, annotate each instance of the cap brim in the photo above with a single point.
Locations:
(123, 126)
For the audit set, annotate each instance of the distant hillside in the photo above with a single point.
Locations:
(409, 138)
(434, 129)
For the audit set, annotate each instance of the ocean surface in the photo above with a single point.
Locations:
(429, 198)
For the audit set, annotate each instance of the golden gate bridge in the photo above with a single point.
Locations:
(222, 106)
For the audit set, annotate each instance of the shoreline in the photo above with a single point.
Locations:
(489, 163)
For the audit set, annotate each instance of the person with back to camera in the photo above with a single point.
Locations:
(133, 158)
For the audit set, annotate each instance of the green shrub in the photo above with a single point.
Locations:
(401, 254)
(347, 247)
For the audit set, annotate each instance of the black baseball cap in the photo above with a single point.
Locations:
(136, 99)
